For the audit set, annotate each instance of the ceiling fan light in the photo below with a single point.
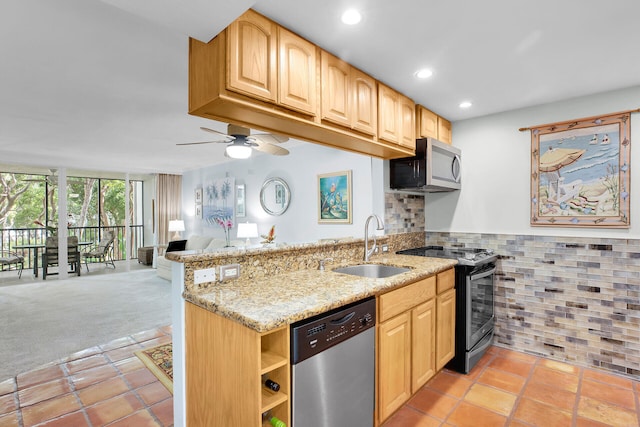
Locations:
(236, 151)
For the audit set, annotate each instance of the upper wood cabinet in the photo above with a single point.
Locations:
(297, 77)
(349, 96)
(430, 125)
(260, 75)
(396, 117)
(253, 66)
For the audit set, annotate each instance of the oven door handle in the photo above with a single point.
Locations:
(482, 274)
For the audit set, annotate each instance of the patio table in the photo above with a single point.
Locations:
(34, 248)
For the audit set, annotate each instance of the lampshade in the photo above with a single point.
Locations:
(238, 151)
(247, 230)
(176, 225)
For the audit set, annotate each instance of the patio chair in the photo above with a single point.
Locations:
(9, 258)
(103, 251)
(50, 255)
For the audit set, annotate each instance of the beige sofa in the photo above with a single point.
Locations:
(194, 242)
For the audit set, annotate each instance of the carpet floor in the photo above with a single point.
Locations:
(44, 321)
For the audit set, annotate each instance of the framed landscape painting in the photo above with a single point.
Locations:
(334, 197)
(580, 172)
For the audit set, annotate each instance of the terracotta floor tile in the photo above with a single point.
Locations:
(85, 363)
(156, 341)
(560, 366)
(92, 376)
(586, 422)
(432, 403)
(479, 367)
(129, 365)
(502, 380)
(122, 352)
(8, 386)
(75, 419)
(606, 378)
(153, 393)
(452, 384)
(409, 417)
(38, 393)
(102, 391)
(40, 375)
(8, 404)
(559, 379)
(518, 355)
(92, 351)
(491, 398)
(609, 393)
(118, 343)
(606, 413)
(512, 366)
(113, 409)
(148, 335)
(468, 415)
(542, 415)
(49, 409)
(551, 395)
(139, 419)
(9, 420)
(140, 377)
(164, 412)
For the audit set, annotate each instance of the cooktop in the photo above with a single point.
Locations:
(465, 256)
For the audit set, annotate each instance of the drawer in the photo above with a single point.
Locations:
(400, 300)
(446, 280)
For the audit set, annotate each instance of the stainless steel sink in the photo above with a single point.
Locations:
(375, 271)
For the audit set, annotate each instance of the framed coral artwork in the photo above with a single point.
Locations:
(335, 202)
(580, 172)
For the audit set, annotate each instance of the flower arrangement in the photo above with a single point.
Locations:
(269, 238)
(227, 224)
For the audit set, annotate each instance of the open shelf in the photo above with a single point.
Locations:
(270, 361)
(272, 399)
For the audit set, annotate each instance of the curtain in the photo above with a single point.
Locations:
(169, 197)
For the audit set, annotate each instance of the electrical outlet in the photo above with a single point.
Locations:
(231, 271)
(385, 248)
(204, 275)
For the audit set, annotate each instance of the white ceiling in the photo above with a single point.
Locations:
(102, 85)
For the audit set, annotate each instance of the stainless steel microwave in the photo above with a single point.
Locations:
(435, 167)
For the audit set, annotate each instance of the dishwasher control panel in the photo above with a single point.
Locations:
(311, 336)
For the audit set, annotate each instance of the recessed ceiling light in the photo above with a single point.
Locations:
(425, 73)
(465, 104)
(351, 17)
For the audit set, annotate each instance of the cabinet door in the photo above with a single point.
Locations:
(427, 123)
(388, 114)
(445, 327)
(297, 76)
(394, 364)
(336, 89)
(364, 109)
(407, 123)
(423, 330)
(444, 130)
(251, 56)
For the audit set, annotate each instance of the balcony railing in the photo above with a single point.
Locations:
(11, 237)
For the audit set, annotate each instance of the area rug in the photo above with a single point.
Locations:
(159, 360)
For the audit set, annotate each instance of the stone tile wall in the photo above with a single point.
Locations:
(404, 213)
(568, 299)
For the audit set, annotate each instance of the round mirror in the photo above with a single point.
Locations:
(275, 196)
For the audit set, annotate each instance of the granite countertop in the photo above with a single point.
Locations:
(266, 304)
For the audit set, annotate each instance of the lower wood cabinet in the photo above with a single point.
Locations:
(413, 322)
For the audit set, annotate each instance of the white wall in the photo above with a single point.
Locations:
(496, 169)
(299, 169)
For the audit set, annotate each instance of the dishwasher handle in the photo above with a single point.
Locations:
(343, 319)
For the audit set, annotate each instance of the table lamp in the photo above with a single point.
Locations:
(247, 230)
(176, 225)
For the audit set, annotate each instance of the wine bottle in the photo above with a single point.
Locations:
(272, 385)
(277, 422)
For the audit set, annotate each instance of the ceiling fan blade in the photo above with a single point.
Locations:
(214, 131)
(270, 138)
(203, 142)
(270, 148)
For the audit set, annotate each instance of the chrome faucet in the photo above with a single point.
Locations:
(368, 252)
(321, 263)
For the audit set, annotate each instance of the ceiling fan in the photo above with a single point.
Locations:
(242, 143)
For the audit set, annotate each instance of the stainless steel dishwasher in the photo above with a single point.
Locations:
(333, 367)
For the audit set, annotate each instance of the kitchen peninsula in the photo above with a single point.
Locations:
(228, 335)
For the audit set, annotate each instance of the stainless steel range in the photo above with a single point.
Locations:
(474, 300)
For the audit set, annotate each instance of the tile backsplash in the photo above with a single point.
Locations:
(569, 299)
(404, 213)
